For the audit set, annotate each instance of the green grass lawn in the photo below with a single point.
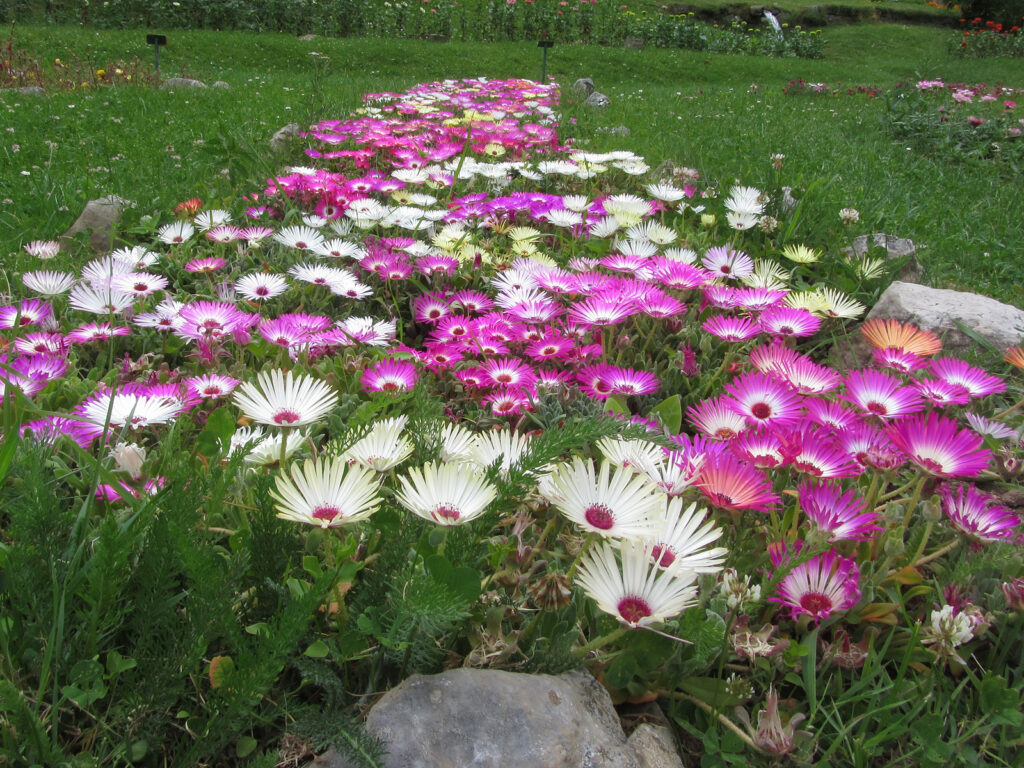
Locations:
(722, 114)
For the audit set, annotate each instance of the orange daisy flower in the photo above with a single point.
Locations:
(891, 334)
(1015, 356)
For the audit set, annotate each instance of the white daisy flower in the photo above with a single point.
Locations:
(47, 283)
(282, 399)
(636, 592)
(683, 543)
(383, 448)
(446, 494)
(621, 505)
(328, 493)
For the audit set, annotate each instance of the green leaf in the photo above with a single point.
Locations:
(138, 750)
(215, 438)
(670, 413)
(245, 746)
(317, 650)
(116, 663)
(616, 404)
(710, 690)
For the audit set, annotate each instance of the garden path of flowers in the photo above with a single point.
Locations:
(446, 248)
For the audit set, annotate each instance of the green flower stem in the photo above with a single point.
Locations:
(600, 642)
(941, 551)
(579, 555)
(712, 711)
(914, 499)
(902, 489)
(1009, 410)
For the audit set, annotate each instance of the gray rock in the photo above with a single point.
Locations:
(307, 37)
(655, 746)
(895, 248)
(221, 84)
(941, 311)
(619, 130)
(173, 83)
(98, 218)
(488, 718)
(584, 86)
(633, 43)
(597, 99)
(280, 140)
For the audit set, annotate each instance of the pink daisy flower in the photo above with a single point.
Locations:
(977, 514)
(471, 302)
(509, 372)
(391, 376)
(90, 332)
(41, 344)
(626, 381)
(677, 275)
(975, 380)
(820, 587)
(761, 399)
(898, 359)
(870, 448)
(838, 514)
(761, 447)
(729, 483)
(758, 299)
(549, 347)
(208, 264)
(430, 308)
(29, 312)
(789, 322)
(941, 393)
(717, 418)
(437, 265)
(211, 386)
(595, 381)
(830, 414)
(508, 401)
(722, 261)
(601, 311)
(939, 446)
(816, 453)
(730, 328)
(881, 395)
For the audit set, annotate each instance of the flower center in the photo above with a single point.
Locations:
(444, 512)
(301, 244)
(877, 408)
(286, 417)
(262, 291)
(389, 386)
(931, 465)
(816, 603)
(721, 500)
(326, 513)
(213, 390)
(761, 411)
(663, 556)
(140, 287)
(503, 378)
(599, 516)
(633, 609)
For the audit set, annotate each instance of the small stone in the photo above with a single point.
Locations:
(28, 90)
(895, 248)
(619, 130)
(98, 218)
(584, 86)
(597, 99)
(221, 84)
(655, 746)
(308, 37)
(280, 140)
(173, 83)
(633, 43)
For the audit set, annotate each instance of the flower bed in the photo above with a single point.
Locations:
(456, 393)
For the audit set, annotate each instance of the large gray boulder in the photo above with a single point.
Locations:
(98, 218)
(283, 137)
(597, 99)
(584, 86)
(488, 718)
(944, 312)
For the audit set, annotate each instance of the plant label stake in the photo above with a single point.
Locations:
(544, 45)
(156, 41)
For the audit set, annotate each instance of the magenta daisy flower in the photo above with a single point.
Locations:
(430, 308)
(729, 483)
(761, 399)
(881, 395)
(509, 372)
(730, 328)
(626, 381)
(807, 377)
(870, 448)
(717, 418)
(205, 265)
(830, 414)
(508, 401)
(975, 380)
(549, 347)
(977, 514)
(437, 265)
(761, 447)
(678, 275)
(758, 299)
(898, 359)
(939, 446)
(839, 515)
(816, 453)
(41, 344)
(212, 319)
(391, 376)
(789, 322)
(820, 587)
(28, 312)
(601, 311)
(941, 393)
(595, 380)
(85, 334)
